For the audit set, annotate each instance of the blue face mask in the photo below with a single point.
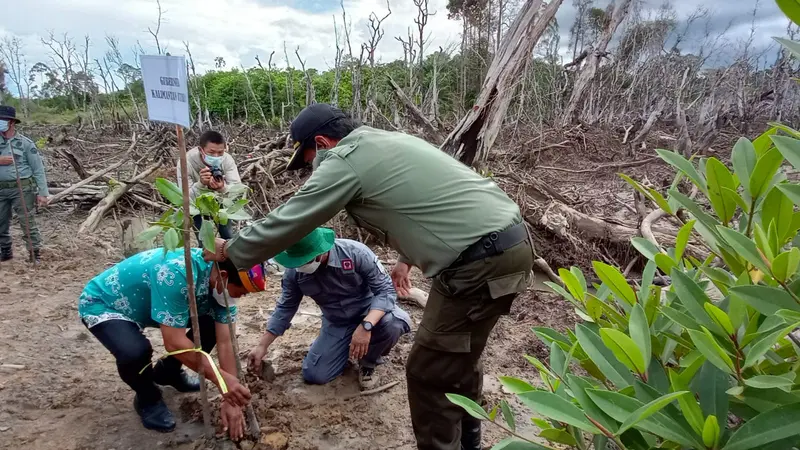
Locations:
(3, 126)
(214, 161)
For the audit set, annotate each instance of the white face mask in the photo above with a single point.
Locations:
(310, 267)
(214, 161)
(3, 126)
(220, 298)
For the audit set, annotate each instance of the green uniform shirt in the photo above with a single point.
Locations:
(28, 160)
(409, 194)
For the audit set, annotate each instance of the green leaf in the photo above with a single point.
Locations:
(640, 332)
(493, 412)
(707, 225)
(223, 217)
(579, 386)
(665, 263)
(604, 359)
(171, 239)
(559, 436)
(508, 415)
(793, 47)
(236, 206)
(763, 143)
(765, 299)
(680, 318)
(542, 424)
(539, 365)
(169, 191)
(744, 160)
(771, 381)
(557, 408)
(744, 247)
(710, 385)
(562, 292)
(679, 162)
(473, 409)
(515, 385)
(734, 196)
(683, 239)
(708, 346)
(660, 201)
(645, 247)
(765, 170)
(240, 215)
(789, 148)
(620, 407)
(771, 426)
(763, 243)
(689, 407)
(711, 432)
(720, 318)
(624, 349)
(208, 235)
(648, 410)
(692, 297)
(549, 335)
(719, 178)
(792, 191)
(613, 278)
(517, 444)
(759, 346)
(785, 265)
(778, 208)
(572, 284)
(149, 234)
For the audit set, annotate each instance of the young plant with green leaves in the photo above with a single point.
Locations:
(706, 363)
(215, 209)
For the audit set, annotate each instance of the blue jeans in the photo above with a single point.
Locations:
(328, 354)
(133, 352)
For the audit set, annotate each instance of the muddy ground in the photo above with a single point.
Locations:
(67, 395)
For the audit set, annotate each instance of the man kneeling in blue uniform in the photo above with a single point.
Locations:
(360, 317)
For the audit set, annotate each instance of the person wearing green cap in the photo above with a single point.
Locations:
(459, 228)
(360, 316)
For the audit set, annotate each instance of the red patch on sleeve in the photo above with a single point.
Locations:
(347, 264)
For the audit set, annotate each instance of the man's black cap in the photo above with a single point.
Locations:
(305, 126)
(8, 113)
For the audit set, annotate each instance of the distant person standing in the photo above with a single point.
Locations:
(19, 158)
(211, 169)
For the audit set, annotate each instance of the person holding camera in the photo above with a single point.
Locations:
(211, 169)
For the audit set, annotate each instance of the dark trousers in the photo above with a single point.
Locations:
(328, 354)
(133, 352)
(224, 230)
(463, 307)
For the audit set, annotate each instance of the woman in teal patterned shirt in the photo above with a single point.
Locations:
(149, 290)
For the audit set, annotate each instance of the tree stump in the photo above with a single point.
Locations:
(131, 227)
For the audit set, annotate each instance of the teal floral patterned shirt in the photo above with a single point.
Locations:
(149, 289)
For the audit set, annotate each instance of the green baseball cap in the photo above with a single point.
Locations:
(316, 243)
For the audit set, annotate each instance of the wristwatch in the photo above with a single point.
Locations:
(367, 325)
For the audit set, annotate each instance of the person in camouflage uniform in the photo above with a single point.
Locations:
(18, 155)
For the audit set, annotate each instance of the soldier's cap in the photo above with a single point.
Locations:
(8, 113)
(305, 127)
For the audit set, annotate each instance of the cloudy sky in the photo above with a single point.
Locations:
(237, 30)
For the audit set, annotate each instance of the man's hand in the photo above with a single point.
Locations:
(232, 420)
(360, 343)
(255, 358)
(205, 176)
(400, 278)
(219, 251)
(42, 200)
(6, 160)
(216, 184)
(238, 394)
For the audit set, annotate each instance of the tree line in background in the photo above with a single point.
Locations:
(626, 66)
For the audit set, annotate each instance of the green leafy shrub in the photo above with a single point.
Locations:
(706, 363)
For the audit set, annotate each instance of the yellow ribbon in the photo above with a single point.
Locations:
(222, 385)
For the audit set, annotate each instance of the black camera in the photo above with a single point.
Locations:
(217, 173)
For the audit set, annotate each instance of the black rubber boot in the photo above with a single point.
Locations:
(181, 380)
(155, 416)
(35, 258)
(6, 254)
(470, 434)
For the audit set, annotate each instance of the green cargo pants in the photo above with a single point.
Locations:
(10, 199)
(463, 307)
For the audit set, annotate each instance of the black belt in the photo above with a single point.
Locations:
(493, 244)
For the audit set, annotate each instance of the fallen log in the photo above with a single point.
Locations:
(116, 192)
(59, 196)
(418, 115)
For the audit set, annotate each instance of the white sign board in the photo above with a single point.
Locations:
(165, 88)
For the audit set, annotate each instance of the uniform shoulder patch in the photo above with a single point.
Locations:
(347, 265)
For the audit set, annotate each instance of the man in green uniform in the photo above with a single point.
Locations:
(456, 226)
(19, 157)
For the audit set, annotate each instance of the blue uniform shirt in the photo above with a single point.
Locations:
(352, 283)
